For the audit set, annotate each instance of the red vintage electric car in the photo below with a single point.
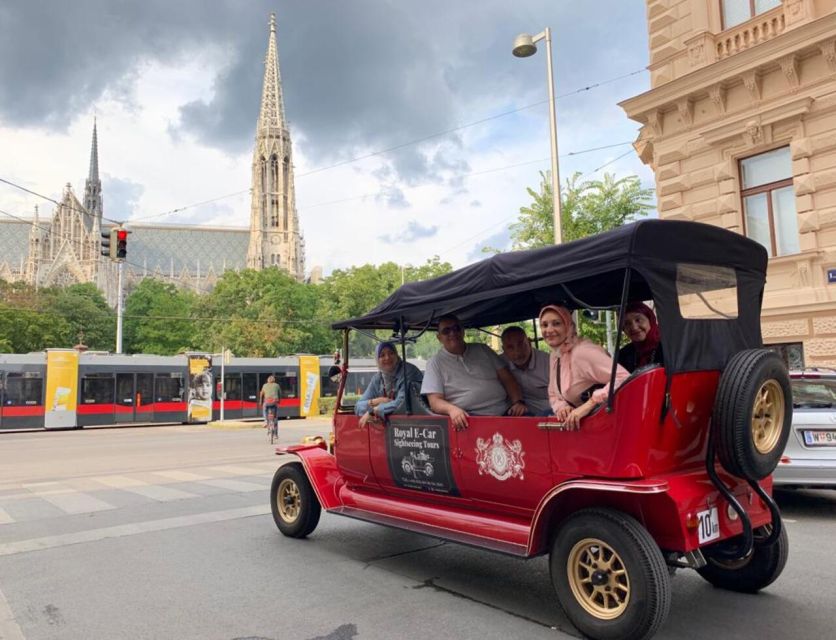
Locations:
(674, 470)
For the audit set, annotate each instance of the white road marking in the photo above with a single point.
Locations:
(5, 518)
(234, 485)
(93, 535)
(239, 471)
(73, 501)
(120, 482)
(160, 493)
(9, 629)
(180, 476)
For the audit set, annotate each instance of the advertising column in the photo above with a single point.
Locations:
(200, 388)
(61, 388)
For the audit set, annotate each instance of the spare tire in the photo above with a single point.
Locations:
(752, 413)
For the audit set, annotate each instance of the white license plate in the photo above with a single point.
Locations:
(820, 438)
(708, 525)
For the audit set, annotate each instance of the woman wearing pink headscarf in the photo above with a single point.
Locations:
(576, 365)
(640, 325)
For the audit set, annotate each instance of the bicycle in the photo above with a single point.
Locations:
(272, 424)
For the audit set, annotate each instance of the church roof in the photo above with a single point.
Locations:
(14, 241)
(178, 247)
(162, 246)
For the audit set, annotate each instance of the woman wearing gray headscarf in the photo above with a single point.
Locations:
(387, 390)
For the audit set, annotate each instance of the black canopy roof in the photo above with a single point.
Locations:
(513, 286)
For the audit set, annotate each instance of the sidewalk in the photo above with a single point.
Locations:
(318, 422)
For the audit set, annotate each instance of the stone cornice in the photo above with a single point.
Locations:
(805, 38)
(735, 127)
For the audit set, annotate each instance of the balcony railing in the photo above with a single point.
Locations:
(759, 29)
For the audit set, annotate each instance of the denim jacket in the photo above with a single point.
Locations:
(375, 390)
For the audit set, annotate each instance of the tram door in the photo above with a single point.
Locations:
(144, 397)
(125, 397)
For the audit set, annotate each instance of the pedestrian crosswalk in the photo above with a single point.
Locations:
(90, 494)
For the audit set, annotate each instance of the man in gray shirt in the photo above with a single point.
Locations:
(468, 378)
(530, 367)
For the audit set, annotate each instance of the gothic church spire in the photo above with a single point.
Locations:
(93, 186)
(272, 104)
(275, 237)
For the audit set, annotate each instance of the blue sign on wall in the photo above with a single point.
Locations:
(831, 276)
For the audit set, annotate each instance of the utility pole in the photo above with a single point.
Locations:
(119, 310)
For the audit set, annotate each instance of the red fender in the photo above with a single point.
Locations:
(322, 472)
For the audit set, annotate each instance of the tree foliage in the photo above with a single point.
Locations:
(158, 319)
(587, 207)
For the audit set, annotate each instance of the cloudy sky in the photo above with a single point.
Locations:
(415, 131)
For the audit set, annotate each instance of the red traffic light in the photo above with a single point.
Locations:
(122, 235)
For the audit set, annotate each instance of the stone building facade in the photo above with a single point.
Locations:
(66, 247)
(739, 127)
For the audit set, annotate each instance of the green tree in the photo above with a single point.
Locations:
(349, 293)
(27, 323)
(587, 207)
(263, 313)
(158, 319)
(86, 313)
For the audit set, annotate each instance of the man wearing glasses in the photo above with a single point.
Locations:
(469, 378)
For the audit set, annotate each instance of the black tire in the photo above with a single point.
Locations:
(754, 573)
(633, 595)
(752, 413)
(295, 507)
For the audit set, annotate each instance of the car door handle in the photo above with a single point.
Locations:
(554, 426)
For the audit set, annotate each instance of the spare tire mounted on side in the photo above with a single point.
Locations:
(752, 413)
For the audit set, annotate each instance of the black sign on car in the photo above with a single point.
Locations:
(419, 455)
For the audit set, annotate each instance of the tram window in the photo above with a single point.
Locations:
(168, 387)
(233, 387)
(288, 383)
(97, 388)
(251, 387)
(328, 386)
(358, 381)
(23, 389)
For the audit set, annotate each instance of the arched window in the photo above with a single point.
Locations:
(285, 187)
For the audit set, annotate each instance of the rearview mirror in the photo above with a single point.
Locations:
(334, 373)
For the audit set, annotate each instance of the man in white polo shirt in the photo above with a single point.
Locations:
(463, 379)
(530, 367)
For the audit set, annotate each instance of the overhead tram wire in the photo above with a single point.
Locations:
(506, 220)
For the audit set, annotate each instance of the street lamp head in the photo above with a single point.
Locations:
(524, 46)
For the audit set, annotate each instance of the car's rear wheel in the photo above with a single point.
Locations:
(752, 413)
(295, 507)
(610, 577)
(759, 570)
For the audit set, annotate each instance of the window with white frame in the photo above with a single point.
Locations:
(769, 214)
(736, 12)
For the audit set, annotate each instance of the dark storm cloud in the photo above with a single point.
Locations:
(357, 76)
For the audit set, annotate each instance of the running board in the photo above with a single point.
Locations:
(462, 526)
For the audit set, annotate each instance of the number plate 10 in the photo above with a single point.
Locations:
(708, 525)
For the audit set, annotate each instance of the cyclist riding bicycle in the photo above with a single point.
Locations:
(269, 397)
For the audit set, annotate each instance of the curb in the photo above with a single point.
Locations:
(234, 425)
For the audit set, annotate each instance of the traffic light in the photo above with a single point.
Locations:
(121, 244)
(106, 247)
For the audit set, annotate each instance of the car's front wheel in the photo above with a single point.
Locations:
(610, 576)
(751, 574)
(295, 507)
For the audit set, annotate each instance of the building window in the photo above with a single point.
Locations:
(769, 201)
(736, 12)
(792, 353)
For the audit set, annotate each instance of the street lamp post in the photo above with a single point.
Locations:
(525, 46)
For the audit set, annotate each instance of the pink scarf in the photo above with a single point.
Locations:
(566, 347)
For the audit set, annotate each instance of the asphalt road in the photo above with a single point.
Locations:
(165, 532)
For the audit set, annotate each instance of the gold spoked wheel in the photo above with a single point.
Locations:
(288, 500)
(598, 579)
(768, 416)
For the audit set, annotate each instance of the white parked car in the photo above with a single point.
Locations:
(809, 458)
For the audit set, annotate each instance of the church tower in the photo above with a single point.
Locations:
(275, 238)
(93, 186)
